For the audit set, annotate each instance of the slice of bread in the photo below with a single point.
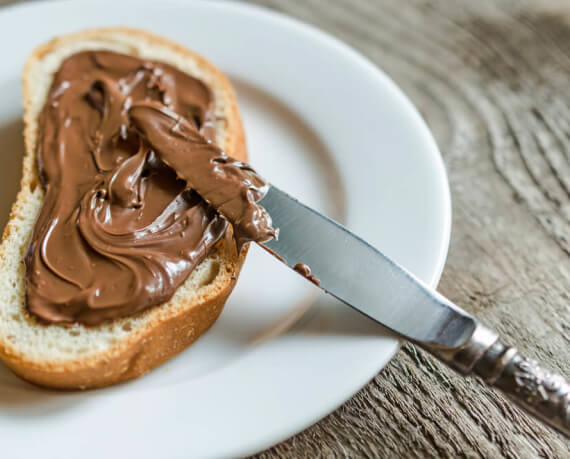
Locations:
(79, 357)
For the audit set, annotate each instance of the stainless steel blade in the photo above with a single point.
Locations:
(361, 276)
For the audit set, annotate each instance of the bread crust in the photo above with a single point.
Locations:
(169, 330)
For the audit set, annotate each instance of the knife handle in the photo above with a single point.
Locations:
(544, 394)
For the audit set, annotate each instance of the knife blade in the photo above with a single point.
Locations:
(364, 278)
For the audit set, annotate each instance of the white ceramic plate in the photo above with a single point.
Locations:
(324, 124)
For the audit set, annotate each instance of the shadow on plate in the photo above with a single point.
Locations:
(21, 399)
(318, 315)
(330, 317)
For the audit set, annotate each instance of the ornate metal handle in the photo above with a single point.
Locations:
(541, 392)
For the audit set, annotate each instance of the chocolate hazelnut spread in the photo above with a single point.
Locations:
(136, 192)
(305, 271)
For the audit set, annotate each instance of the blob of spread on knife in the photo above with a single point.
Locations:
(305, 271)
(136, 192)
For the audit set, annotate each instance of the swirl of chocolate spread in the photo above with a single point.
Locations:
(136, 191)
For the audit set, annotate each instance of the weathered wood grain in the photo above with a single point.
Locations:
(492, 79)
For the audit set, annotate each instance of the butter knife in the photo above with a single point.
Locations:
(360, 276)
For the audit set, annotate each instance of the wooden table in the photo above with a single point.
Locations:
(492, 79)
